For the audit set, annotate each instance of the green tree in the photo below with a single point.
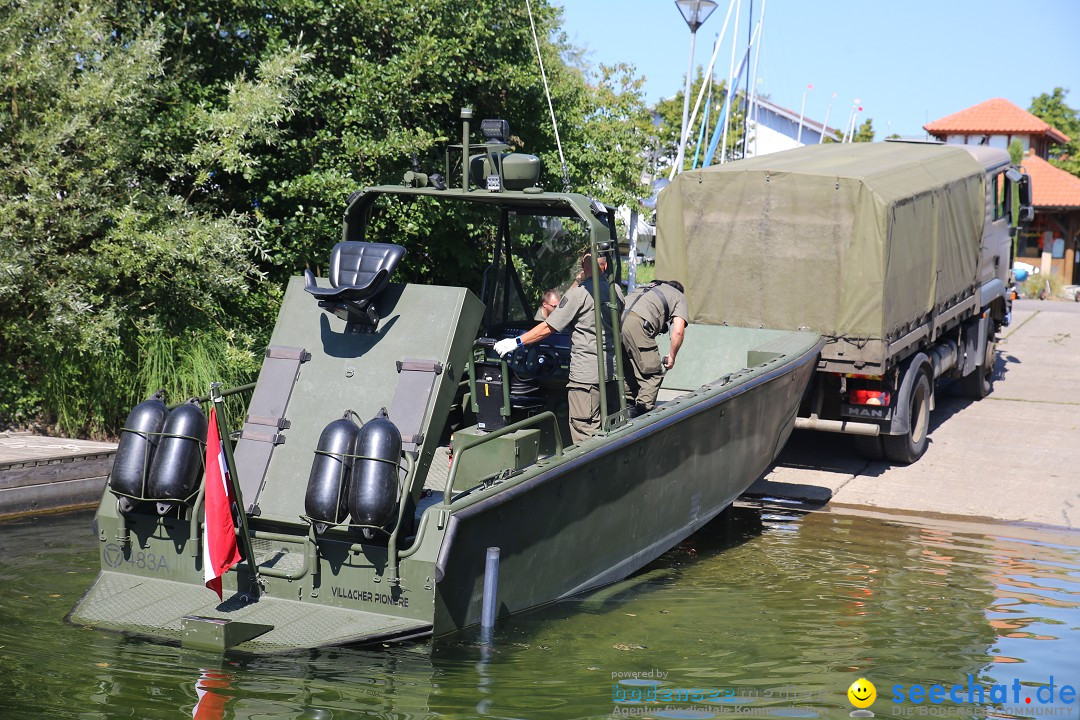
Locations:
(865, 133)
(98, 257)
(1051, 108)
(1016, 151)
(388, 79)
(164, 167)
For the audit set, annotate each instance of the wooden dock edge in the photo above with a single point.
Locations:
(53, 485)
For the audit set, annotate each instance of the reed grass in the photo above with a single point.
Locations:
(90, 394)
(84, 392)
(185, 367)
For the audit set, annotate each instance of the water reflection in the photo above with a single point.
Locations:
(211, 688)
(774, 611)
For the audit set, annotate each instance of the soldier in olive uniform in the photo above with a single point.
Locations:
(549, 302)
(575, 312)
(650, 310)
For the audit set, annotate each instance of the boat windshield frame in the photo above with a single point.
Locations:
(573, 205)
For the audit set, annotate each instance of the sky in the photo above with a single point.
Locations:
(906, 63)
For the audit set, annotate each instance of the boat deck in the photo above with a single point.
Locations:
(439, 471)
(158, 607)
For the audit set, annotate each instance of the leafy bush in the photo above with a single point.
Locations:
(1045, 286)
(101, 253)
(162, 172)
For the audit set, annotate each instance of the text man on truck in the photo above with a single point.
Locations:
(899, 253)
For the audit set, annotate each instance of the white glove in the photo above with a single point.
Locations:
(507, 346)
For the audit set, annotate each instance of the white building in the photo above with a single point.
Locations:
(774, 128)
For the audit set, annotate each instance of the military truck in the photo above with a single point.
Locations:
(898, 253)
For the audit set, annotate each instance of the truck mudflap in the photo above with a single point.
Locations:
(974, 334)
(901, 419)
(866, 413)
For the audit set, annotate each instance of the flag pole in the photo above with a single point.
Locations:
(802, 111)
(234, 484)
(825, 125)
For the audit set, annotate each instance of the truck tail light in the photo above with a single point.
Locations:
(869, 397)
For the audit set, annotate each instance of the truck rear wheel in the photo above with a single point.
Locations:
(909, 447)
(980, 381)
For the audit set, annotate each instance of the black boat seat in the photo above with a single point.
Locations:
(358, 271)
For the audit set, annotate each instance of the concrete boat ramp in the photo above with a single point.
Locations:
(1013, 457)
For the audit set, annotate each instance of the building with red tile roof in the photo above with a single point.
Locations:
(1052, 241)
(996, 122)
(1051, 188)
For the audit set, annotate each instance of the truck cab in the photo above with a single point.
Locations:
(1008, 204)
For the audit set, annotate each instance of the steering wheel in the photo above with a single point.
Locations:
(533, 363)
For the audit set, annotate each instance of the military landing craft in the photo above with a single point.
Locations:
(385, 446)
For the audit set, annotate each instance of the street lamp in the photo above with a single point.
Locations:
(695, 13)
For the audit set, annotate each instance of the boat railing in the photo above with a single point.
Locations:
(546, 416)
(307, 548)
(443, 513)
(224, 393)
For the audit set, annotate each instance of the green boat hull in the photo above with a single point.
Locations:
(572, 521)
(622, 500)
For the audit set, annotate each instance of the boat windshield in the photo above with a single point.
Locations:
(509, 254)
(534, 253)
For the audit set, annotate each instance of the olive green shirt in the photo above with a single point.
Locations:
(651, 308)
(575, 312)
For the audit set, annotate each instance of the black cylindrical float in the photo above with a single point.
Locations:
(373, 488)
(325, 499)
(134, 453)
(177, 463)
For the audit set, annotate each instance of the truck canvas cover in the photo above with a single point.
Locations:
(862, 241)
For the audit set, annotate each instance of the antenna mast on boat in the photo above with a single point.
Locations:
(551, 108)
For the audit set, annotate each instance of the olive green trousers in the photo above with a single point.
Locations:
(641, 365)
(584, 402)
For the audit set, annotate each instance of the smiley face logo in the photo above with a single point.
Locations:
(862, 693)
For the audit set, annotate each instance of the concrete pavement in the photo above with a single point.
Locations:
(1013, 456)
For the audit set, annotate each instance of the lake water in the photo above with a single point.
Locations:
(775, 614)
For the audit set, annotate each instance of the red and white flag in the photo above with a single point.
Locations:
(219, 538)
